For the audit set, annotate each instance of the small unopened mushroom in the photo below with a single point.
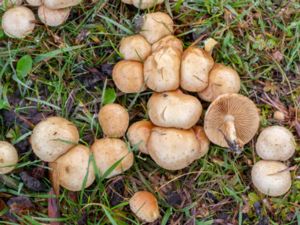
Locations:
(60, 4)
(34, 2)
(53, 137)
(138, 134)
(18, 22)
(135, 47)
(53, 17)
(195, 66)
(168, 41)
(146, 4)
(114, 120)
(109, 151)
(222, 80)
(278, 115)
(231, 121)
(202, 138)
(174, 109)
(128, 76)
(271, 177)
(9, 3)
(162, 70)
(173, 149)
(144, 205)
(8, 157)
(156, 26)
(275, 143)
(73, 168)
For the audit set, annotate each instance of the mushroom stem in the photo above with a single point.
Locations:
(209, 45)
(230, 134)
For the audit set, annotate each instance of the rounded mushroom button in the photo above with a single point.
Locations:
(53, 17)
(8, 157)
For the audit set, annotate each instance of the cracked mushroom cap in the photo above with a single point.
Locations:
(60, 4)
(146, 4)
(168, 41)
(8, 157)
(275, 143)
(271, 177)
(108, 151)
(34, 2)
(173, 149)
(53, 17)
(9, 3)
(222, 80)
(237, 110)
(203, 140)
(144, 205)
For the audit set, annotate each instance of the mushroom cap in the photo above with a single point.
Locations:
(146, 4)
(135, 47)
(127, 2)
(53, 137)
(9, 3)
(60, 4)
(138, 134)
(156, 26)
(195, 66)
(114, 120)
(73, 167)
(8, 157)
(202, 139)
(275, 143)
(174, 109)
(18, 22)
(241, 109)
(222, 80)
(173, 149)
(128, 76)
(34, 2)
(271, 177)
(162, 70)
(108, 151)
(278, 115)
(168, 41)
(144, 205)
(53, 17)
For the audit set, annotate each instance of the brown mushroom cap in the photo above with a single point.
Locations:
(173, 149)
(53, 17)
(156, 26)
(128, 76)
(145, 4)
(9, 3)
(168, 41)
(53, 137)
(203, 140)
(195, 66)
(162, 70)
(144, 205)
(108, 151)
(232, 116)
(271, 177)
(59, 4)
(174, 109)
(73, 168)
(8, 157)
(34, 2)
(222, 80)
(138, 134)
(275, 143)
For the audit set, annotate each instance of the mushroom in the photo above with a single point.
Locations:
(195, 66)
(275, 143)
(73, 168)
(128, 76)
(156, 26)
(202, 139)
(146, 4)
(174, 109)
(222, 80)
(112, 154)
(144, 205)
(53, 137)
(231, 121)
(53, 17)
(127, 2)
(135, 47)
(173, 149)
(271, 177)
(8, 157)
(114, 120)
(9, 3)
(34, 2)
(59, 4)
(162, 70)
(168, 41)
(18, 22)
(139, 133)
(278, 115)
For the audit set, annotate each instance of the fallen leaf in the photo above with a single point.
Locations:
(53, 209)
(20, 205)
(297, 126)
(270, 87)
(32, 183)
(277, 55)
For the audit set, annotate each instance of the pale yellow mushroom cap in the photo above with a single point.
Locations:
(145, 4)
(34, 2)
(53, 17)
(60, 4)
(8, 157)
(168, 41)
(127, 2)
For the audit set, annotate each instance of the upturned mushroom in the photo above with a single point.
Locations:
(53, 137)
(195, 66)
(162, 70)
(9, 3)
(168, 41)
(53, 17)
(18, 22)
(110, 151)
(271, 177)
(275, 143)
(8, 157)
(146, 4)
(114, 120)
(128, 76)
(231, 121)
(174, 109)
(59, 4)
(34, 2)
(144, 205)
(221, 80)
(202, 139)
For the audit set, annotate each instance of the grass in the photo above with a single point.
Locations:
(71, 69)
